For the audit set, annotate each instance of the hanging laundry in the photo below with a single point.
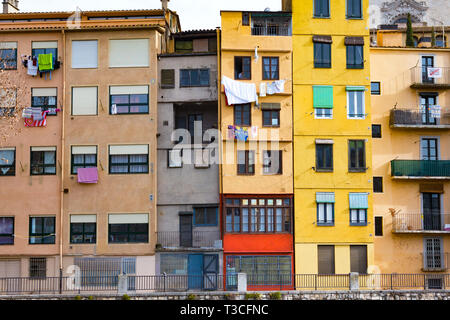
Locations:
(241, 134)
(262, 89)
(45, 62)
(114, 109)
(254, 131)
(239, 92)
(276, 87)
(27, 113)
(32, 69)
(32, 122)
(87, 175)
(231, 132)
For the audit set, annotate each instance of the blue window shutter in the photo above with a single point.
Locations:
(325, 197)
(359, 200)
(323, 96)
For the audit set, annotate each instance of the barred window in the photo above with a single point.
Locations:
(38, 267)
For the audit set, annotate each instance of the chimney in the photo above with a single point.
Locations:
(10, 6)
(165, 4)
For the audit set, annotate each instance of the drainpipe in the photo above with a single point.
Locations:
(62, 164)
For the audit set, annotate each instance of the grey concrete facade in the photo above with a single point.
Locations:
(190, 191)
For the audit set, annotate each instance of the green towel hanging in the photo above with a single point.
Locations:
(45, 62)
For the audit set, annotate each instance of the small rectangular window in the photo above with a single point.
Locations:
(378, 184)
(84, 101)
(167, 78)
(379, 226)
(45, 98)
(43, 161)
(356, 104)
(8, 55)
(376, 131)
(128, 159)
(271, 118)
(6, 230)
(325, 214)
(129, 100)
(127, 53)
(38, 268)
(322, 55)
(84, 54)
(355, 57)
(323, 113)
(324, 157)
(321, 8)
(272, 162)
(184, 46)
(42, 230)
(245, 18)
(7, 161)
(375, 88)
(128, 228)
(83, 228)
(354, 9)
(83, 157)
(358, 217)
(246, 162)
(205, 216)
(242, 68)
(175, 158)
(194, 78)
(242, 115)
(358, 259)
(271, 68)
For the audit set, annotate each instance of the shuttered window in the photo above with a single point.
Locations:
(433, 255)
(323, 96)
(168, 78)
(326, 259)
(321, 8)
(354, 9)
(358, 259)
(127, 53)
(84, 54)
(84, 101)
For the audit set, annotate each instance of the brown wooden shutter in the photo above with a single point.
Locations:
(168, 78)
(358, 259)
(326, 259)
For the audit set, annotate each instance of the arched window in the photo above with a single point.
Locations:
(441, 41)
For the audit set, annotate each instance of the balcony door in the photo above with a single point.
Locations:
(431, 203)
(186, 230)
(427, 62)
(426, 102)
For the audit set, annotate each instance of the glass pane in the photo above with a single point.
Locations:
(360, 103)
(36, 225)
(49, 225)
(76, 227)
(49, 157)
(78, 159)
(262, 220)
(245, 219)
(279, 216)
(237, 220)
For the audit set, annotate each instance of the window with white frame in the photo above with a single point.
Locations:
(356, 102)
(84, 101)
(84, 54)
(125, 53)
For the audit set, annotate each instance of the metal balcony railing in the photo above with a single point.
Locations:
(423, 222)
(420, 117)
(198, 239)
(420, 77)
(435, 262)
(420, 168)
(271, 30)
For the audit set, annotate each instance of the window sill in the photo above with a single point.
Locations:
(358, 224)
(355, 67)
(322, 67)
(320, 17)
(325, 224)
(354, 18)
(357, 170)
(324, 170)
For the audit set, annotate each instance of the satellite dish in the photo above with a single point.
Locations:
(267, 10)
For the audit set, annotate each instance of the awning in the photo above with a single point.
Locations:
(358, 41)
(325, 197)
(322, 39)
(359, 200)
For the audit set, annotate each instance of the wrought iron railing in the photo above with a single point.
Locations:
(420, 168)
(426, 76)
(272, 30)
(432, 221)
(418, 117)
(197, 239)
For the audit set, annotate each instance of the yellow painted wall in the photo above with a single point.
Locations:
(402, 252)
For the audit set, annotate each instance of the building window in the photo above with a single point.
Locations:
(355, 57)
(324, 157)
(441, 41)
(429, 149)
(323, 101)
(358, 259)
(50, 47)
(83, 228)
(379, 226)
(378, 184)
(355, 104)
(246, 162)
(128, 159)
(242, 68)
(354, 9)
(201, 158)
(358, 204)
(194, 78)
(205, 216)
(167, 78)
(44, 98)
(128, 228)
(175, 158)
(261, 270)
(8, 102)
(271, 114)
(325, 256)
(258, 215)
(7, 161)
(84, 101)
(375, 88)
(128, 99)
(184, 46)
(325, 208)
(433, 254)
(323, 113)
(321, 8)
(128, 53)
(322, 55)
(8, 55)
(357, 156)
(6, 230)
(43, 161)
(245, 18)
(83, 157)
(242, 115)
(84, 54)
(38, 268)
(271, 68)
(376, 131)
(42, 230)
(272, 162)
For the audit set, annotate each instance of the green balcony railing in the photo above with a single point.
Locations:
(420, 168)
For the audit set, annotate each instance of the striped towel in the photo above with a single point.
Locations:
(31, 122)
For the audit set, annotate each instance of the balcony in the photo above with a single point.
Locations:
(432, 223)
(435, 262)
(271, 24)
(195, 239)
(420, 169)
(420, 119)
(421, 79)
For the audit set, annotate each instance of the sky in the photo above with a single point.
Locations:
(194, 14)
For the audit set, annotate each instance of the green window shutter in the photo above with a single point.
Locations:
(325, 197)
(323, 96)
(359, 200)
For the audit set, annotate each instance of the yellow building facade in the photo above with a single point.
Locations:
(411, 158)
(332, 137)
